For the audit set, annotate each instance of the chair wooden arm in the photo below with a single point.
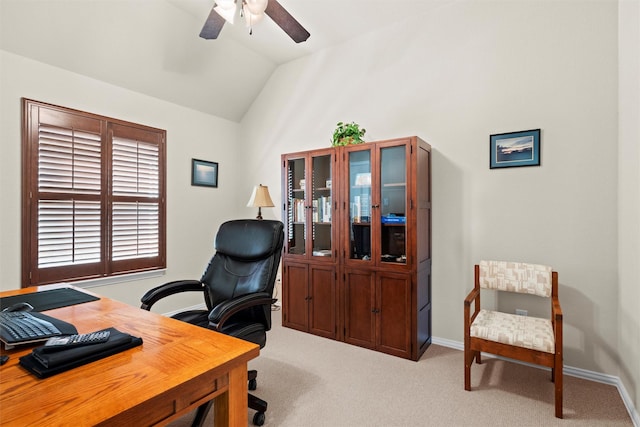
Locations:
(472, 295)
(555, 309)
(556, 320)
(469, 317)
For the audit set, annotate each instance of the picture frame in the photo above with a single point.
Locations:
(514, 149)
(204, 173)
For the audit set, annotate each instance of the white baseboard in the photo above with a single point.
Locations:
(567, 370)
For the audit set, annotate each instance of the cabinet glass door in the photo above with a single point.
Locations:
(393, 204)
(321, 203)
(296, 209)
(360, 204)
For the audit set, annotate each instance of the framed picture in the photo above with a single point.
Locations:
(515, 149)
(203, 173)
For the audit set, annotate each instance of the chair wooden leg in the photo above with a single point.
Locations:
(468, 360)
(557, 379)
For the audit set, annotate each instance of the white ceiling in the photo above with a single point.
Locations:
(152, 46)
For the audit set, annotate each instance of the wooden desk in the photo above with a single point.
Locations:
(177, 368)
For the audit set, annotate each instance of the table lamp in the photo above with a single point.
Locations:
(260, 198)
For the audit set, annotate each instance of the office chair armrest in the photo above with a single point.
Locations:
(226, 309)
(154, 295)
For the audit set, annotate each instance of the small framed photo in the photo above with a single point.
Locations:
(204, 173)
(515, 149)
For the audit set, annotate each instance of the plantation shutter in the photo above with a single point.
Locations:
(93, 196)
(136, 195)
(68, 164)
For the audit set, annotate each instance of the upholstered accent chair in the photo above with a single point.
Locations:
(528, 339)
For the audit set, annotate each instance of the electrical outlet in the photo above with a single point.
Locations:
(521, 312)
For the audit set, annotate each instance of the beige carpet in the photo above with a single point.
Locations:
(311, 381)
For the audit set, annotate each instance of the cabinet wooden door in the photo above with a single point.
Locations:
(309, 294)
(359, 303)
(322, 300)
(378, 311)
(378, 207)
(393, 313)
(295, 291)
(309, 205)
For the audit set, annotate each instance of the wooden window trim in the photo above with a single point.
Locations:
(32, 274)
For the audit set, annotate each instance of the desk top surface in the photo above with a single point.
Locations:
(172, 354)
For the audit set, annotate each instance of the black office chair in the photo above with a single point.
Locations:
(237, 287)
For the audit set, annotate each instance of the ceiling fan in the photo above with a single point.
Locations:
(253, 11)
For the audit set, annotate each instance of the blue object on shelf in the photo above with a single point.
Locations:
(394, 219)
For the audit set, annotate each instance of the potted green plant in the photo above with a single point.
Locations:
(348, 133)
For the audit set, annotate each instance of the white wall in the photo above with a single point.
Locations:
(453, 78)
(193, 213)
(629, 198)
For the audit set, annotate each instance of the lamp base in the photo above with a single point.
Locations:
(259, 213)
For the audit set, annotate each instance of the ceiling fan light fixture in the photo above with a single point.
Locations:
(252, 11)
(226, 4)
(251, 19)
(228, 14)
(256, 7)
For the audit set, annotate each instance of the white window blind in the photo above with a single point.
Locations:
(69, 163)
(68, 232)
(135, 168)
(135, 227)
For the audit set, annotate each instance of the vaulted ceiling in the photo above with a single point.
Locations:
(152, 46)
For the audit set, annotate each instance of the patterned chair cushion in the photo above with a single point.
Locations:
(521, 331)
(516, 277)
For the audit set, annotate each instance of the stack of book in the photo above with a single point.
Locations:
(322, 209)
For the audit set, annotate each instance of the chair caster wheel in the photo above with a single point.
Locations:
(253, 384)
(258, 418)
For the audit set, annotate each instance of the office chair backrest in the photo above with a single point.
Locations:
(246, 261)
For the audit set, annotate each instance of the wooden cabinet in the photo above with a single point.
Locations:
(367, 279)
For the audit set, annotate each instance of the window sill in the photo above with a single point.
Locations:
(112, 280)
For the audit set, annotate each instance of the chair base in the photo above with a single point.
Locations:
(255, 402)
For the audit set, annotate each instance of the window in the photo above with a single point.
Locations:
(93, 198)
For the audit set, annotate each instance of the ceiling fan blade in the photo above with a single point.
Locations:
(287, 22)
(212, 26)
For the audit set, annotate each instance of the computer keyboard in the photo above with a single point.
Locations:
(20, 327)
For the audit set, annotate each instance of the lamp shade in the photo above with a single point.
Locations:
(260, 197)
